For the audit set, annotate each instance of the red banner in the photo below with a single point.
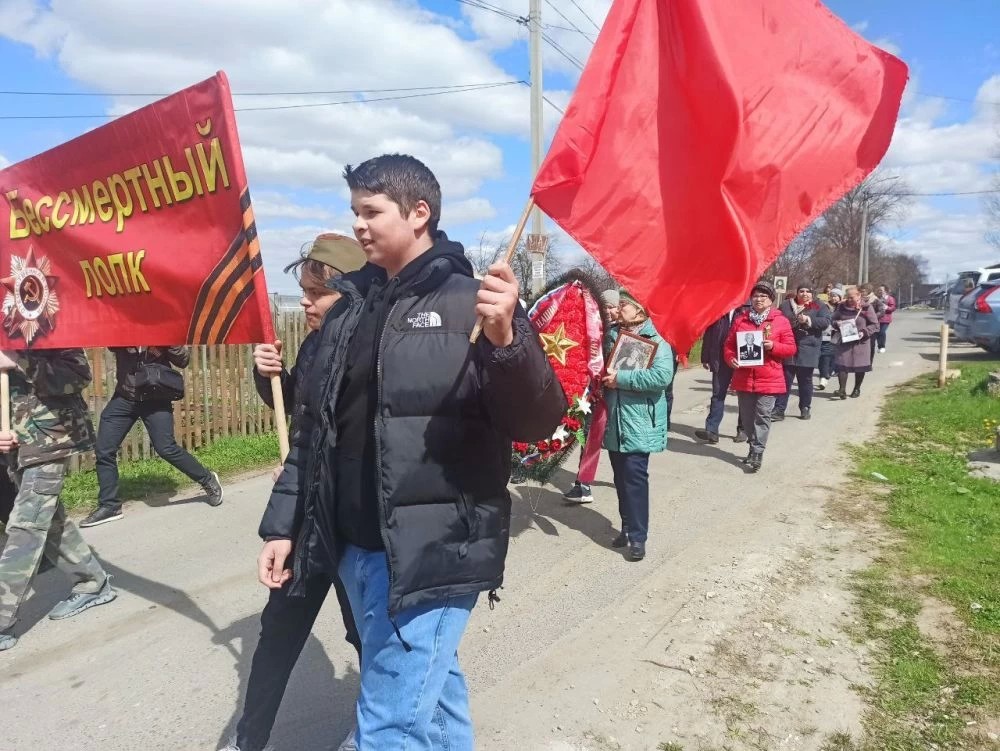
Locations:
(140, 232)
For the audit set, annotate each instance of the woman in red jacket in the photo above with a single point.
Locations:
(757, 386)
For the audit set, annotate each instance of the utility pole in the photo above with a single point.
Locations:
(863, 250)
(537, 241)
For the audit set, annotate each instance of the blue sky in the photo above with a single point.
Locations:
(476, 141)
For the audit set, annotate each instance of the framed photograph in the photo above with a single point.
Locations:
(849, 331)
(632, 352)
(750, 348)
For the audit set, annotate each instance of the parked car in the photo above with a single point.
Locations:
(966, 282)
(978, 319)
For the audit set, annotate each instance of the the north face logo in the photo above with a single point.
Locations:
(429, 320)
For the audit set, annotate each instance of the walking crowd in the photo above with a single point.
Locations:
(395, 490)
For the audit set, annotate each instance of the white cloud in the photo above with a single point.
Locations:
(298, 46)
(466, 212)
(279, 206)
(4, 161)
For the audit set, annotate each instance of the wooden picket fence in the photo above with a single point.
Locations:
(220, 399)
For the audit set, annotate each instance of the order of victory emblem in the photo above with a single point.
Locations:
(30, 303)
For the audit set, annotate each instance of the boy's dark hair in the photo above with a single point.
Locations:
(404, 179)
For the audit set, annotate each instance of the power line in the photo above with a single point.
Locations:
(548, 101)
(556, 46)
(938, 195)
(483, 5)
(553, 105)
(566, 19)
(253, 93)
(479, 87)
(576, 5)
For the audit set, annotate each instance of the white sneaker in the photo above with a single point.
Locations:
(822, 383)
(881, 350)
(350, 743)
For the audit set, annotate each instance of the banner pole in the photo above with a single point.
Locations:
(4, 400)
(280, 423)
(507, 257)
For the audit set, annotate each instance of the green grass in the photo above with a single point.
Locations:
(149, 478)
(694, 356)
(949, 549)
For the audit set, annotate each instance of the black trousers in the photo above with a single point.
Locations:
(285, 625)
(631, 473)
(117, 420)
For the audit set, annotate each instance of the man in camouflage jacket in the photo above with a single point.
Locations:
(49, 424)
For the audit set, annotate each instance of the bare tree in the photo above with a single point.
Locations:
(828, 250)
(521, 264)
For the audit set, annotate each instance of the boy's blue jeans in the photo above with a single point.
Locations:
(410, 700)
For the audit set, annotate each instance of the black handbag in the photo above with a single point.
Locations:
(157, 382)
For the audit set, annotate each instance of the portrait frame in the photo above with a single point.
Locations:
(632, 352)
(849, 330)
(750, 348)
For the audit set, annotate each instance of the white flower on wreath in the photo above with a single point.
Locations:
(583, 404)
(561, 434)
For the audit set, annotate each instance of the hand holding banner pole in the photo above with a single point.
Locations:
(507, 258)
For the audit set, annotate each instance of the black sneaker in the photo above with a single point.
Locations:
(636, 551)
(855, 394)
(213, 490)
(756, 459)
(805, 413)
(579, 493)
(707, 435)
(777, 416)
(102, 515)
(740, 437)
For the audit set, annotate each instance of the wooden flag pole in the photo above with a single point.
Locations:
(507, 258)
(280, 421)
(4, 400)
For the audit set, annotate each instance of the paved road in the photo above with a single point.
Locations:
(165, 666)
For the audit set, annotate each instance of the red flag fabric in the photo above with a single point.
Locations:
(140, 232)
(704, 135)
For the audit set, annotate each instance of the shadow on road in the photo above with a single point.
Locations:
(318, 707)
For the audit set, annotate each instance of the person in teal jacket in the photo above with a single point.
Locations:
(637, 423)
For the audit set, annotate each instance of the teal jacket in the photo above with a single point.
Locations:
(637, 409)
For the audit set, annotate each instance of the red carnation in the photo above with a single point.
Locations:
(572, 423)
(543, 445)
(520, 447)
(556, 444)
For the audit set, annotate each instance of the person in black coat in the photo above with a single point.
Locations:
(287, 621)
(809, 319)
(404, 467)
(712, 342)
(129, 405)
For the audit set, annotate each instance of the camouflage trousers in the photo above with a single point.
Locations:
(38, 526)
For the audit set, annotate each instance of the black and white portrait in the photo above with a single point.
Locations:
(750, 348)
(631, 352)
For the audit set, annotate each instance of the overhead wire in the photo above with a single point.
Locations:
(467, 88)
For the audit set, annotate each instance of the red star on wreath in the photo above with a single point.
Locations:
(30, 302)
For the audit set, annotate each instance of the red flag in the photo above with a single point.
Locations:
(704, 135)
(140, 232)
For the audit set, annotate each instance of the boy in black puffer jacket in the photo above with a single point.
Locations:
(403, 473)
